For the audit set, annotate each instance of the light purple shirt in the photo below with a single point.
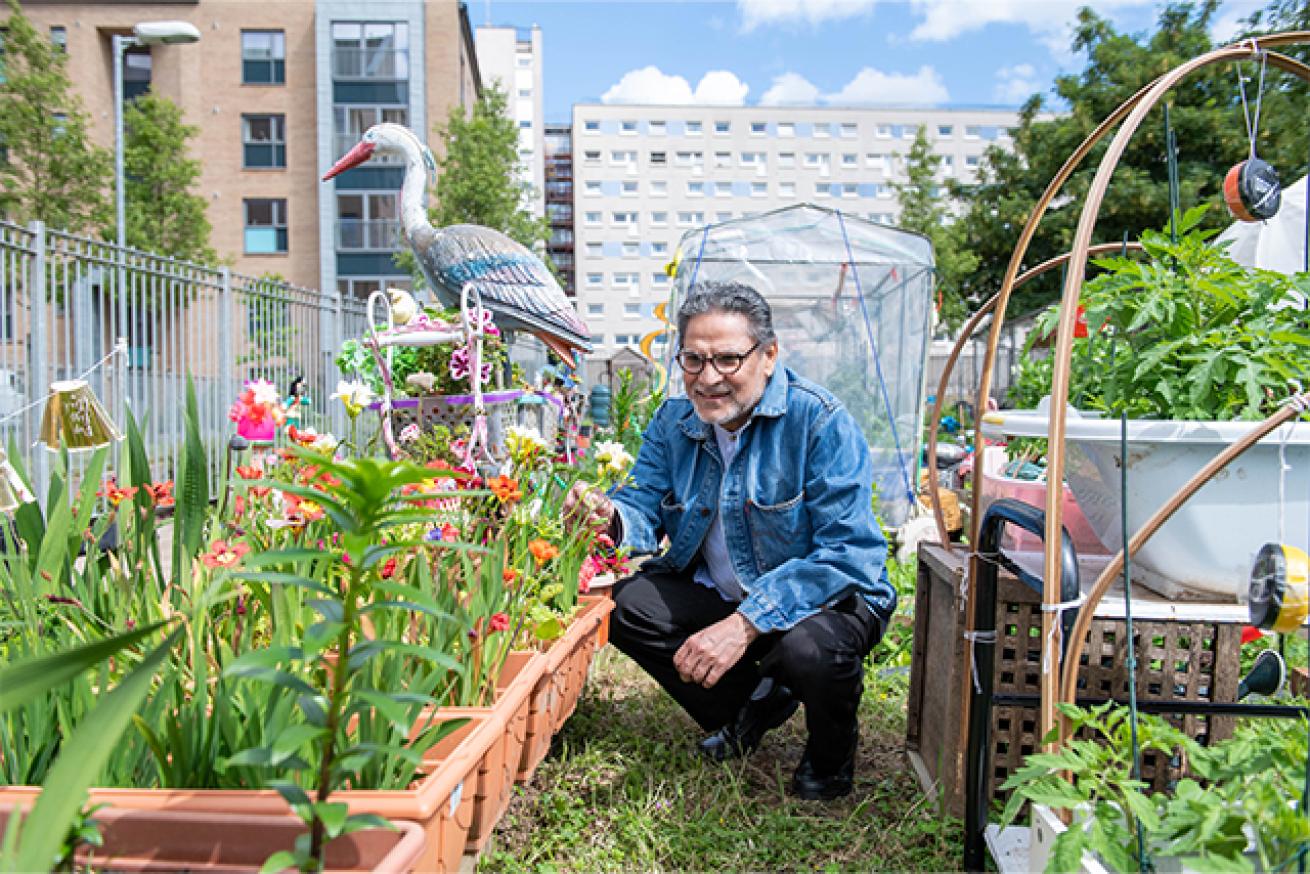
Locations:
(715, 570)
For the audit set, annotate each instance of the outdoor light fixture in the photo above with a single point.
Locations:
(74, 418)
(13, 491)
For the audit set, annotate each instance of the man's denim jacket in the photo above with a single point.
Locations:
(797, 513)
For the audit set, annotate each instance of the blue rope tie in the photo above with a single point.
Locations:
(877, 361)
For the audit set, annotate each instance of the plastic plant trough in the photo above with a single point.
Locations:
(1205, 551)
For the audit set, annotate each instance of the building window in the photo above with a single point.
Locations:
(849, 130)
(759, 128)
(690, 219)
(595, 250)
(723, 189)
(786, 189)
(723, 216)
(591, 156)
(850, 159)
(59, 38)
(368, 221)
(884, 131)
(525, 92)
(723, 159)
(695, 128)
(657, 128)
(695, 189)
(971, 161)
(620, 158)
(816, 159)
(945, 130)
(659, 159)
(631, 311)
(659, 279)
(595, 309)
(659, 188)
(266, 225)
(592, 219)
(628, 127)
(786, 129)
(524, 60)
(659, 219)
(591, 127)
(759, 189)
(849, 189)
(822, 131)
(722, 127)
(658, 249)
(595, 280)
(752, 159)
(688, 159)
(598, 340)
(629, 188)
(370, 50)
(821, 190)
(263, 57)
(624, 219)
(263, 141)
(593, 188)
(786, 159)
(631, 249)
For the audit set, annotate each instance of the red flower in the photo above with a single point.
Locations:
(388, 568)
(1250, 633)
(224, 555)
(509, 575)
(115, 495)
(247, 472)
(499, 622)
(449, 532)
(586, 574)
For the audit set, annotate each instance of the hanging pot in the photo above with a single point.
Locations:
(1252, 190)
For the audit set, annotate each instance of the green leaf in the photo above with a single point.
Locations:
(395, 712)
(283, 556)
(333, 816)
(292, 738)
(31, 678)
(282, 579)
(83, 756)
(361, 821)
(280, 861)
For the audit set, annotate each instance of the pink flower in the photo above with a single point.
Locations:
(499, 622)
(461, 365)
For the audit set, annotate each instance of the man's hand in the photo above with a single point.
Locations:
(711, 652)
(589, 505)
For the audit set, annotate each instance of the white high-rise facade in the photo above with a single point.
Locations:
(510, 58)
(645, 175)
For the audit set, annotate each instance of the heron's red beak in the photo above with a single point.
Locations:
(356, 156)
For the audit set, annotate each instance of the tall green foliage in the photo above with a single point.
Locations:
(163, 215)
(52, 172)
(925, 210)
(1206, 115)
(478, 179)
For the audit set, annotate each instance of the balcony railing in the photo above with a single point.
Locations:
(371, 64)
(368, 235)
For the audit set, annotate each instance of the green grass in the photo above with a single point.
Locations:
(623, 791)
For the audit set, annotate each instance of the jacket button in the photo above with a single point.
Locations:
(704, 511)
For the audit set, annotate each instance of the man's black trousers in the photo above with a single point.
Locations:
(821, 659)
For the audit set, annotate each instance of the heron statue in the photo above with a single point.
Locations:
(511, 281)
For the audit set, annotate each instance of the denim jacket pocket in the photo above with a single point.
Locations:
(671, 513)
(779, 532)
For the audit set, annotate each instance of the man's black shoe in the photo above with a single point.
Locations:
(808, 785)
(770, 705)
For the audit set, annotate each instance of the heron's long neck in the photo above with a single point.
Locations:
(413, 197)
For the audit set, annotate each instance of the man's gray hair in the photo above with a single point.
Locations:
(728, 297)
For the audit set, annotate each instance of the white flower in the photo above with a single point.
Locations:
(422, 380)
(264, 392)
(403, 306)
(325, 443)
(612, 455)
(355, 395)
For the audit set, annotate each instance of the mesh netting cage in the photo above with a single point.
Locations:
(852, 306)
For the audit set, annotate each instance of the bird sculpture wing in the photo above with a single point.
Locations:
(512, 282)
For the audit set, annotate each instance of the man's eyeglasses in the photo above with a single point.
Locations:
(726, 363)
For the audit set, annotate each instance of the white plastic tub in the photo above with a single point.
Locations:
(1205, 551)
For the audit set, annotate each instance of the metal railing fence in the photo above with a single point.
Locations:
(66, 299)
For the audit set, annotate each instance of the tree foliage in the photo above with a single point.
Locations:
(924, 210)
(163, 215)
(1206, 116)
(478, 181)
(52, 172)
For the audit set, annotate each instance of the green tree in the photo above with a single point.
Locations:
(163, 215)
(925, 210)
(1285, 117)
(51, 171)
(1205, 113)
(478, 179)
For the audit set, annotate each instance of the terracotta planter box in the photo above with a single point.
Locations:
(495, 782)
(556, 695)
(160, 840)
(441, 802)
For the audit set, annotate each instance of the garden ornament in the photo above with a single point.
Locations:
(1278, 598)
(1251, 188)
(513, 282)
(13, 491)
(75, 420)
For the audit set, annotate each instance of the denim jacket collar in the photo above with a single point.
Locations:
(772, 403)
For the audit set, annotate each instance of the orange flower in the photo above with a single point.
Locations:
(224, 555)
(505, 488)
(542, 550)
(301, 509)
(249, 472)
(509, 575)
(161, 494)
(115, 495)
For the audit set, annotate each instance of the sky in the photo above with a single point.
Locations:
(812, 52)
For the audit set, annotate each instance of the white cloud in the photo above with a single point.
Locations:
(874, 86)
(790, 89)
(721, 88)
(812, 12)
(1016, 84)
(946, 19)
(650, 85)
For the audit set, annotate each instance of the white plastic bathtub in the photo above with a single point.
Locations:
(1205, 551)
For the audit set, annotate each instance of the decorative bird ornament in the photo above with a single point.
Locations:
(513, 282)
